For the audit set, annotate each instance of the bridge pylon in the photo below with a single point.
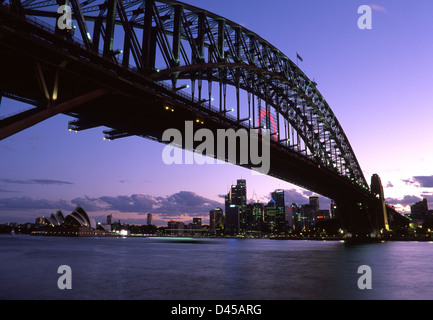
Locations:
(365, 218)
(381, 215)
(355, 218)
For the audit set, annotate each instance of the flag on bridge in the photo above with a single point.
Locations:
(299, 57)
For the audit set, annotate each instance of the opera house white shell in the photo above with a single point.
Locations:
(77, 223)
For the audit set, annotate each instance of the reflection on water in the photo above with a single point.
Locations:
(151, 268)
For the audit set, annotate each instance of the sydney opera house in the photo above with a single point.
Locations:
(76, 224)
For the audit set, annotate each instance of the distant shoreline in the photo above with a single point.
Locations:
(348, 240)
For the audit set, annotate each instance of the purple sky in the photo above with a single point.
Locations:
(378, 82)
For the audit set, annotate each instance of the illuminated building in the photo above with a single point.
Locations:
(298, 221)
(196, 222)
(333, 210)
(323, 215)
(40, 221)
(175, 227)
(238, 197)
(270, 216)
(255, 216)
(309, 215)
(280, 216)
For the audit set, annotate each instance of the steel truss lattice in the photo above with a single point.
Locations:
(228, 68)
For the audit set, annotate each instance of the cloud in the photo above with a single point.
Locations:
(409, 182)
(420, 181)
(181, 203)
(8, 148)
(187, 198)
(296, 196)
(376, 7)
(28, 203)
(424, 181)
(301, 197)
(389, 185)
(405, 201)
(91, 204)
(35, 137)
(134, 203)
(8, 191)
(428, 196)
(36, 181)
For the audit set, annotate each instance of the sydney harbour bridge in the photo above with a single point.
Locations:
(139, 67)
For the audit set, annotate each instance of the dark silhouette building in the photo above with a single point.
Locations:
(333, 209)
(216, 221)
(238, 197)
(280, 215)
(314, 202)
(419, 210)
(255, 216)
(270, 221)
(233, 220)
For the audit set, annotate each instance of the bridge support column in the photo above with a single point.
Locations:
(356, 218)
(363, 220)
(377, 190)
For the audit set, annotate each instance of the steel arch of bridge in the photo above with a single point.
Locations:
(168, 41)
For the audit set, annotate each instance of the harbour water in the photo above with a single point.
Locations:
(211, 269)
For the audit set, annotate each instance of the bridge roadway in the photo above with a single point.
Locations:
(38, 66)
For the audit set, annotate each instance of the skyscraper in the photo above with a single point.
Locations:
(309, 215)
(333, 209)
(149, 219)
(314, 202)
(232, 225)
(255, 216)
(238, 193)
(280, 217)
(238, 197)
(419, 210)
(216, 221)
(270, 216)
(298, 221)
(227, 203)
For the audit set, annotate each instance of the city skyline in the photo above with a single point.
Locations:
(365, 75)
(167, 204)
